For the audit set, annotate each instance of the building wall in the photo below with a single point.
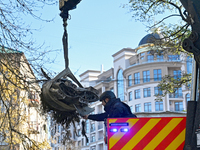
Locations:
(23, 100)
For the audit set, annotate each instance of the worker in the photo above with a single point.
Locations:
(113, 107)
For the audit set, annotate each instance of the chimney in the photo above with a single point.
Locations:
(102, 68)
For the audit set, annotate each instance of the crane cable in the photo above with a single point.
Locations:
(65, 47)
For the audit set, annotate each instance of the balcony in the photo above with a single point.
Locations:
(176, 95)
(154, 61)
(100, 138)
(33, 127)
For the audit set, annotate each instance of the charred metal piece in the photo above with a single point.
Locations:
(63, 95)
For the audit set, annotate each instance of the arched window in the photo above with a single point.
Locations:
(187, 98)
(120, 85)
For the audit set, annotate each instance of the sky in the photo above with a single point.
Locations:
(96, 30)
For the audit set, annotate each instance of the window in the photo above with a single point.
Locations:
(187, 98)
(92, 138)
(82, 141)
(131, 108)
(120, 85)
(149, 52)
(150, 58)
(112, 90)
(189, 64)
(178, 93)
(146, 76)
(130, 96)
(157, 91)
(87, 126)
(157, 74)
(138, 108)
(147, 107)
(87, 142)
(142, 54)
(178, 106)
(147, 92)
(100, 125)
(58, 128)
(137, 78)
(130, 80)
(58, 139)
(159, 106)
(63, 136)
(79, 132)
(173, 57)
(159, 57)
(137, 94)
(177, 74)
(92, 127)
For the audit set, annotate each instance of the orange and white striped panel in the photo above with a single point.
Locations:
(166, 133)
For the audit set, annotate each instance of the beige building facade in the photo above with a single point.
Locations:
(134, 78)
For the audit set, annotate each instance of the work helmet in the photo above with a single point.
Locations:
(107, 94)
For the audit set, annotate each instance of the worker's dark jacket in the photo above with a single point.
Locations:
(113, 109)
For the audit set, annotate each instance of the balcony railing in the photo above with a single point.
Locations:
(100, 138)
(176, 95)
(154, 61)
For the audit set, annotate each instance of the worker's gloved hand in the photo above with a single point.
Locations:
(85, 117)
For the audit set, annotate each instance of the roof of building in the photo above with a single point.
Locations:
(4, 49)
(150, 38)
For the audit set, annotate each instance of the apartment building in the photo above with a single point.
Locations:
(20, 99)
(134, 78)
